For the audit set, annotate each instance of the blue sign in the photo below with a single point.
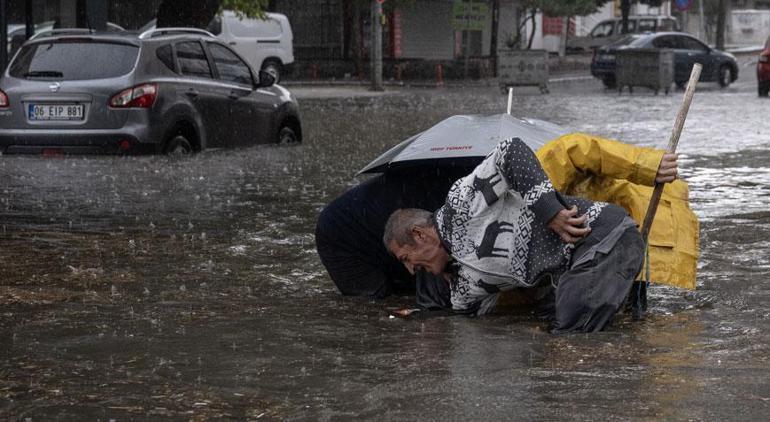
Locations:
(682, 5)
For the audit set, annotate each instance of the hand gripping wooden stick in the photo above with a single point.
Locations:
(678, 125)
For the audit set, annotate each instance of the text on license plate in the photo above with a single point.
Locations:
(55, 112)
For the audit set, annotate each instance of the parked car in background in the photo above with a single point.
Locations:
(168, 90)
(266, 44)
(718, 66)
(610, 30)
(763, 70)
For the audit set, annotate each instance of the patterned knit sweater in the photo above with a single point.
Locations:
(495, 225)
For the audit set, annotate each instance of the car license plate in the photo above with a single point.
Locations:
(55, 112)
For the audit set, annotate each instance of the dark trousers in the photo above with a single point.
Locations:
(588, 295)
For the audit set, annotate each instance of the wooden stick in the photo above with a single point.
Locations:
(672, 143)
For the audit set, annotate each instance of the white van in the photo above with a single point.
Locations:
(265, 44)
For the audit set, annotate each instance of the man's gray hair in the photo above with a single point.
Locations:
(399, 226)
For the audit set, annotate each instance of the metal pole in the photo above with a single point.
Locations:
(467, 32)
(376, 47)
(3, 35)
(29, 21)
(702, 28)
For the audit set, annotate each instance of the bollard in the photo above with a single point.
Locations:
(314, 71)
(439, 75)
(399, 73)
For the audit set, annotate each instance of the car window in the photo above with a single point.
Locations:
(668, 25)
(646, 25)
(269, 28)
(631, 26)
(664, 42)
(166, 57)
(231, 68)
(63, 59)
(688, 43)
(628, 39)
(192, 59)
(603, 29)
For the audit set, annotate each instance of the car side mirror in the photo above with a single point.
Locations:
(266, 79)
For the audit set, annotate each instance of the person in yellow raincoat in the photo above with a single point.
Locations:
(600, 169)
(577, 164)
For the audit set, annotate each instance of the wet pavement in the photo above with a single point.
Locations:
(153, 289)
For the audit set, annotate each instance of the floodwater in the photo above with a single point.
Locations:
(152, 289)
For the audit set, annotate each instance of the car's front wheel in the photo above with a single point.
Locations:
(763, 87)
(287, 136)
(725, 76)
(178, 146)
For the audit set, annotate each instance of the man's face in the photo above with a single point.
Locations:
(426, 253)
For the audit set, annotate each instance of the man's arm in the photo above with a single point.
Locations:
(569, 156)
(523, 173)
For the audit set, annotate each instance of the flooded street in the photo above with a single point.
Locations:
(145, 288)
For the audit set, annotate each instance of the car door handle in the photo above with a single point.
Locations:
(232, 43)
(233, 95)
(191, 93)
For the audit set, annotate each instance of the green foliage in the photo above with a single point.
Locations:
(248, 8)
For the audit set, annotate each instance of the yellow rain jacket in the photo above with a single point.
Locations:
(604, 170)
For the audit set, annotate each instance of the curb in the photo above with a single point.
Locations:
(492, 82)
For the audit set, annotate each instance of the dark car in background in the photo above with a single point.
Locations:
(763, 70)
(162, 91)
(718, 66)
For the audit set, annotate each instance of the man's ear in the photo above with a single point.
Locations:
(418, 233)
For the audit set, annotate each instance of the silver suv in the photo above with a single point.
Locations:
(163, 91)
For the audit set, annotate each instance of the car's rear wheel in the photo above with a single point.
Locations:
(178, 146)
(273, 67)
(763, 88)
(287, 136)
(725, 76)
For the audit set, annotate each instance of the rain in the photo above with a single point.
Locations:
(155, 287)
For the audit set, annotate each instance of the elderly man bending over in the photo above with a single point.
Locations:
(504, 226)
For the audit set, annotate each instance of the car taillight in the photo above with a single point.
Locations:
(141, 96)
(764, 57)
(3, 100)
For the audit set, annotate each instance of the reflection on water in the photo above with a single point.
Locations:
(150, 288)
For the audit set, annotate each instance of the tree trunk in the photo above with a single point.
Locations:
(3, 34)
(533, 16)
(358, 42)
(493, 38)
(347, 24)
(190, 13)
(625, 10)
(564, 31)
(721, 20)
(376, 56)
